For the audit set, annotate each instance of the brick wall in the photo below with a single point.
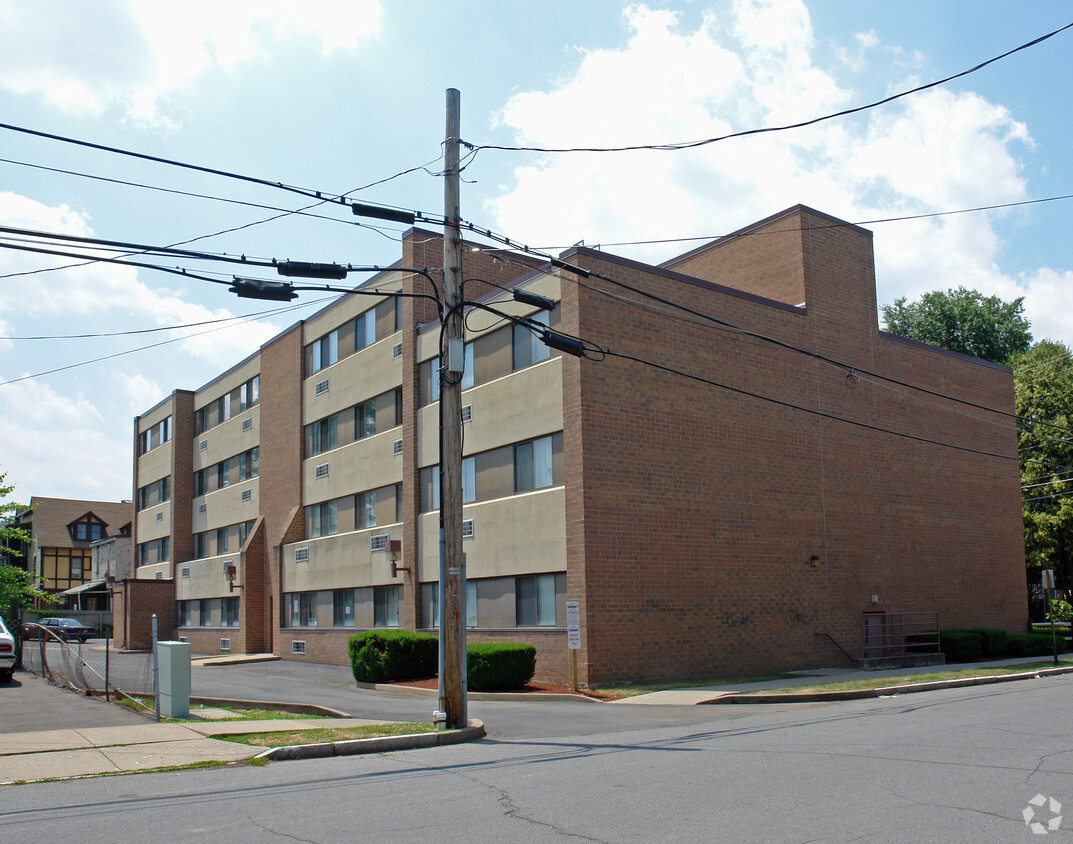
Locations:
(133, 604)
(693, 510)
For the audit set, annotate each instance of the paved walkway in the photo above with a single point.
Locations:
(92, 751)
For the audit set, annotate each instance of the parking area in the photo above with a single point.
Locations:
(29, 703)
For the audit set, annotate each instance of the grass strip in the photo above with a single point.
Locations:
(907, 679)
(318, 736)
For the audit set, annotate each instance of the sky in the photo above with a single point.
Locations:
(350, 96)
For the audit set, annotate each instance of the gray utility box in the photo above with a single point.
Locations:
(173, 663)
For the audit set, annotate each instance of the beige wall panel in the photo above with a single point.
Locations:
(347, 308)
(150, 572)
(227, 439)
(366, 464)
(206, 578)
(520, 406)
(355, 378)
(523, 534)
(149, 528)
(154, 416)
(339, 562)
(225, 507)
(228, 381)
(155, 464)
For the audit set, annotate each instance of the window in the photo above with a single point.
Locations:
(467, 367)
(325, 351)
(528, 347)
(343, 608)
(365, 419)
(535, 600)
(155, 436)
(323, 435)
(247, 465)
(250, 393)
(154, 551)
(221, 540)
(533, 465)
(223, 473)
(229, 612)
(430, 593)
(365, 330)
(185, 613)
(365, 515)
(323, 519)
(304, 609)
(155, 493)
(87, 530)
(385, 606)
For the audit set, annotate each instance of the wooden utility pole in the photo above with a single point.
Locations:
(452, 567)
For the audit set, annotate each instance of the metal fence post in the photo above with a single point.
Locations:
(156, 676)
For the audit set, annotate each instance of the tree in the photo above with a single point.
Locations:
(18, 587)
(964, 321)
(1043, 390)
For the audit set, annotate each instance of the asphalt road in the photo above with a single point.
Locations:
(958, 765)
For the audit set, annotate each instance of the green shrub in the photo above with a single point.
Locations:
(1029, 644)
(1060, 610)
(384, 656)
(993, 642)
(499, 665)
(961, 645)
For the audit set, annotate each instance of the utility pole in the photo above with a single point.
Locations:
(452, 564)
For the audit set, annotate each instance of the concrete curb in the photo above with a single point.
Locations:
(382, 744)
(885, 691)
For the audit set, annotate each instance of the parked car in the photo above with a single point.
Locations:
(65, 628)
(7, 653)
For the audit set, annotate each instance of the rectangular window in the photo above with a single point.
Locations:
(343, 608)
(323, 435)
(528, 348)
(229, 612)
(365, 419)
(535, 600)
(467, 371)
(184, 614)
(385, 606)
(307, 609)
(365, 517)
(365, 330)
(223, 476)
(326, 351)
(323, 519)
(533, 465)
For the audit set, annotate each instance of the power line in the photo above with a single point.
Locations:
(151, 345)
(792, 406)
(693, 144)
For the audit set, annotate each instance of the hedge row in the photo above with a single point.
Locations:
(967, 645)
(387, 656)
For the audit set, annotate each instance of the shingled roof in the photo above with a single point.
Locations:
(51, 516)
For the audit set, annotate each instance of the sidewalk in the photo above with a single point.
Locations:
(94, 751)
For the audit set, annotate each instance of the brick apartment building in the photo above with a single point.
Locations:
(740, 517)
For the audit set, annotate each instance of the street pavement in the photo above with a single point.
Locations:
(49, 733)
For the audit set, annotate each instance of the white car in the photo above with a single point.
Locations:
(7, 653)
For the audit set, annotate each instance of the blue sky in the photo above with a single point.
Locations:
(334, 96)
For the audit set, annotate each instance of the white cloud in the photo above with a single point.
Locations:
(942, 149)
(57, 446)
(131, 54)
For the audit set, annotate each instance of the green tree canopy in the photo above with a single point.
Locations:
(17, 586)
(964, 321)
(1043, 390)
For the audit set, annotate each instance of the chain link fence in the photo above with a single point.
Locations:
(91, 666)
